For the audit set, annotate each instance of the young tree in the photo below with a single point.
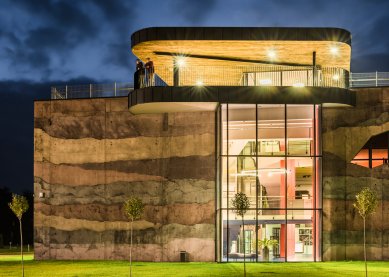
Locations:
(366, 204)
(133, 208)
(241, 204)
(19, 205)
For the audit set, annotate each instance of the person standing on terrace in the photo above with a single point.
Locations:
(139, 76)
(150, 72)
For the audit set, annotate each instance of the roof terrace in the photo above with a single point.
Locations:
(260, 58)
(299, 77)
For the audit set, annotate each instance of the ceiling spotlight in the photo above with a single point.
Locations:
(271, 54)
(180, 61)
(199, 83)
(334, 50)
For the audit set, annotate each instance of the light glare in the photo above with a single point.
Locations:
(265, 82)
(334, 50)
(299, 85)
(271, 54)
(180, 61)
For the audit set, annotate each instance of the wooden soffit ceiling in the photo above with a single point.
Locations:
(244, 46)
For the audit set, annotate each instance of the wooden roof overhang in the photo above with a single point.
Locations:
(236, 46)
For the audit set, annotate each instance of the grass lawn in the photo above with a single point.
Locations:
(10, 266)
(14, 251)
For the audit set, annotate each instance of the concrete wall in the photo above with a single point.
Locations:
(90, 155)
(345, 131)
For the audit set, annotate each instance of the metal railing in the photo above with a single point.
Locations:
(230, 76)
(371, 79)
(263, 75)
(91, 91)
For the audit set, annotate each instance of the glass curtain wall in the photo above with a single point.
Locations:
(272, 154)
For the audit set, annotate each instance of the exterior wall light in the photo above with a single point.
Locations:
(335, 77)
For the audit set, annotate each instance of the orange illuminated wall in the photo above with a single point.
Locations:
(374, 152)
(288, 247)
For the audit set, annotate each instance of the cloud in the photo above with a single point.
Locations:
(377, 35)
(121, 16)
(194, 12)
(62, 14)
(48, 39)
(371, 63)
(115, 10)
(120, 55)
(371, 42)
(51, 38)
(30, 58)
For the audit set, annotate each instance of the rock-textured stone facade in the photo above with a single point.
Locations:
(90, 155)
(345, 131)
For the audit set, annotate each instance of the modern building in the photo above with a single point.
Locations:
(271, 112)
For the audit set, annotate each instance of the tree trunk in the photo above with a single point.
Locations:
(21, 244)
(244, 249)
(132, 220)
(364, 244)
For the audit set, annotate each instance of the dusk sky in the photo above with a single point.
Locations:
(48, 42)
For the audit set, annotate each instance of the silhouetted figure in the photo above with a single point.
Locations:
(139, 75)
(150, 72)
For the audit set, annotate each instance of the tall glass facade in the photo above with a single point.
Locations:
(272, 153)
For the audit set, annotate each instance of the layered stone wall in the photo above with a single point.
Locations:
(90, 155)
(345, 131)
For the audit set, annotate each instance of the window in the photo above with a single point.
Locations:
(374, 152)
(272, 154)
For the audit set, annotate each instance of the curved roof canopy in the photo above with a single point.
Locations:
(236, 46)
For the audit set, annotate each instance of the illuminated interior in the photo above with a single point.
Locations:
(374, 153)
(272, 154)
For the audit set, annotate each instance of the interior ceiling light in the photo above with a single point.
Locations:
(299, 85)
(265, 82)
(273, 170)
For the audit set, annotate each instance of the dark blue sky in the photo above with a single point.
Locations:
(46, 42)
